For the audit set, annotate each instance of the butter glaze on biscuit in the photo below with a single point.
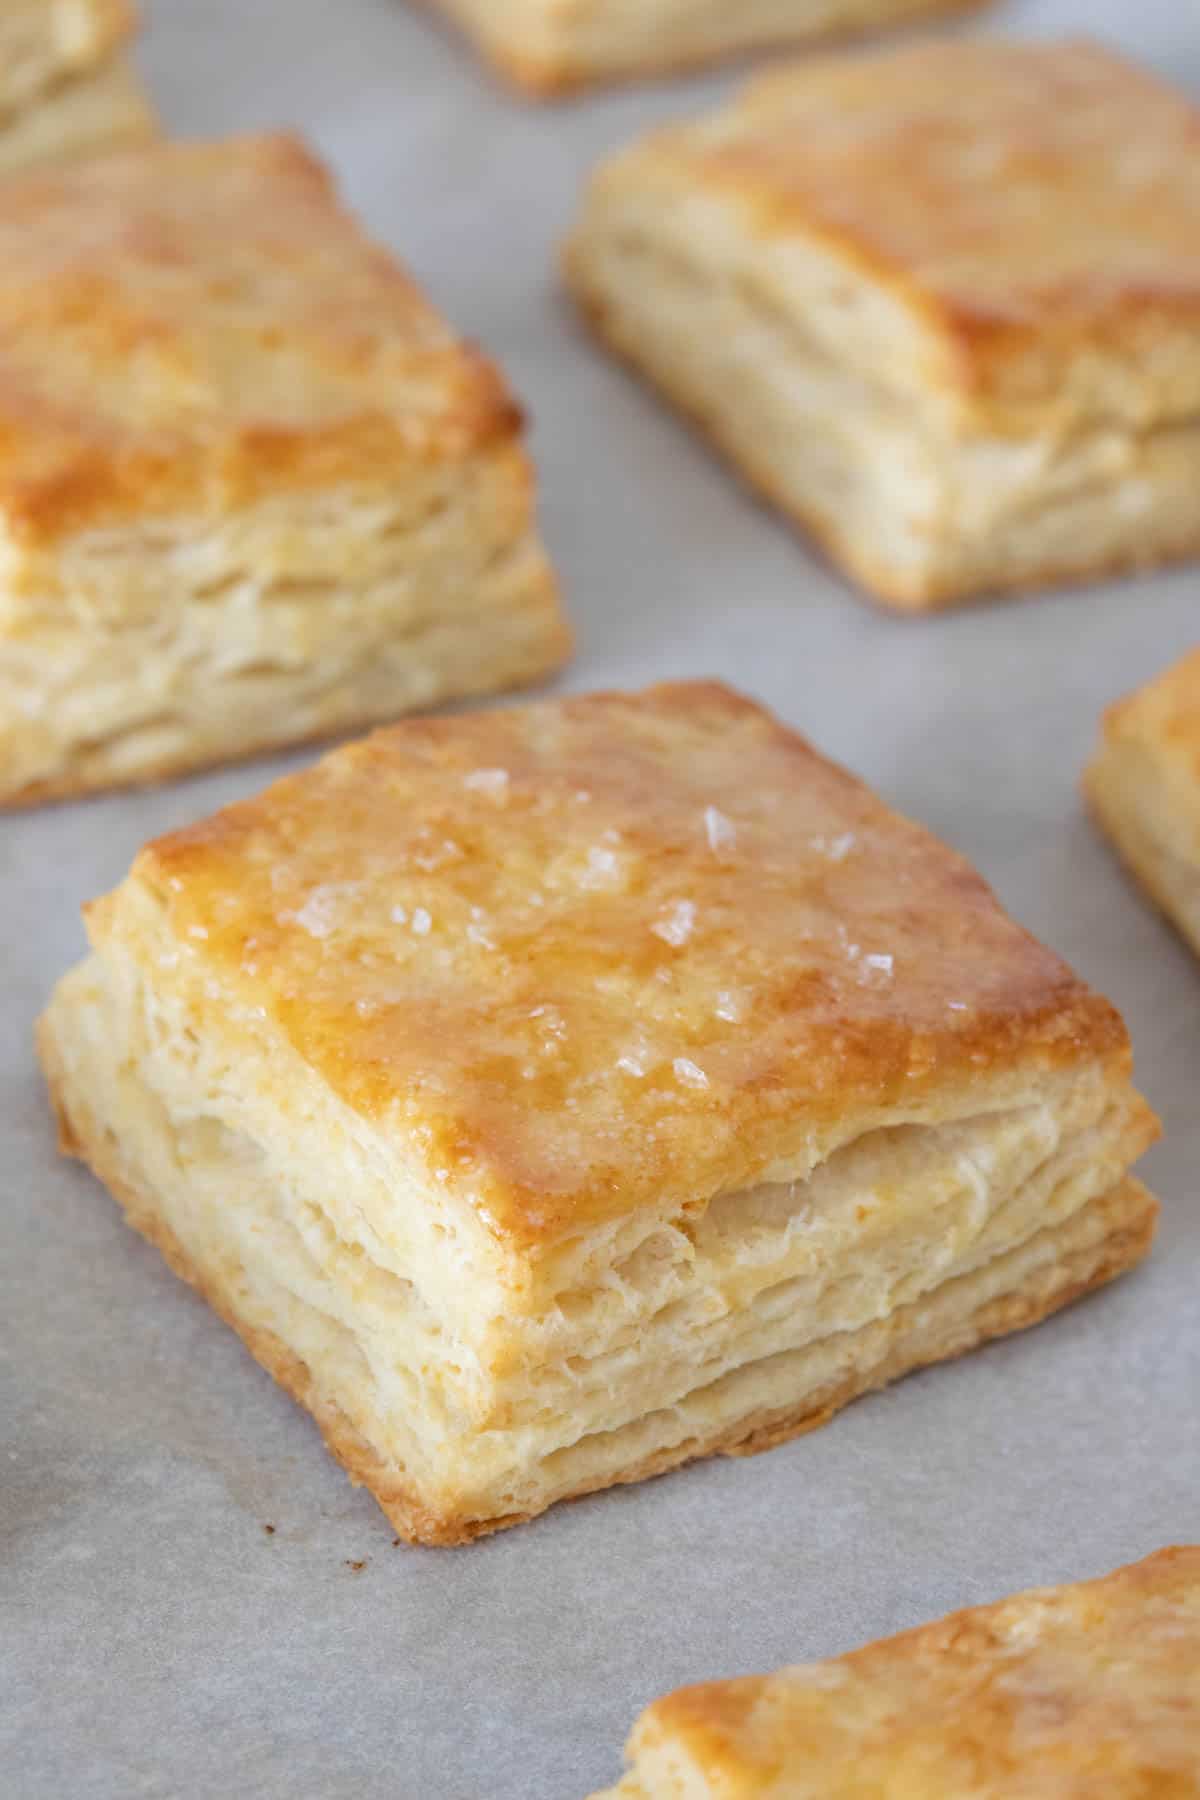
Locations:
(551, 1096)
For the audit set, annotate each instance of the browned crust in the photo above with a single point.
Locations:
(387, 385)
(1130, 1212)
(876, 581)
(1081, 1689)
(558, 648)
(972, 998)
(549, 78)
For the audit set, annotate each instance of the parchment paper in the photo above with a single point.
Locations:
(156, 1639)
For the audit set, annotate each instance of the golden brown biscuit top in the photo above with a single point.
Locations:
(1163, 717)
(196, 324)
(1068, 1693)
(593, 953)
(1006, 190)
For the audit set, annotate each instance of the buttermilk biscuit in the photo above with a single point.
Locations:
(547, 47)
(1065, 1693)
(65, 87)
(1143, 785)
(942, 305)
(252, 488)
(551, 1096)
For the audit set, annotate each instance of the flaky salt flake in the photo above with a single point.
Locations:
(437, 855)
(875, 970)
(487, 781)
(399, 915)
(722, 832)
(633, 1063)
(689, 1073)
(678, 925)
(834, 849)
(956, 1006)
(602, 866)
(421, 921)
(197, 931)
(318, 915)
(729, 1006)
(478, 935)
(884, 964)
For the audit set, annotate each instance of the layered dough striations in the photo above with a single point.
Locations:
(941, 305)
(253, 489)
(550, 1097)
(549, 48)
(66, 86)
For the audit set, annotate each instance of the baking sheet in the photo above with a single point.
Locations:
(155, 1639)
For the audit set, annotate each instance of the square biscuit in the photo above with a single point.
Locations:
(253, 489)
(1143, 785)
(552, 47)
(65, 86)
(552, 1096)
(942, 305)
(1054, 1694)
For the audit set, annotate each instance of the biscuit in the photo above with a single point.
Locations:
(253, 489)
(547, 48)
(1143, 785)
(552, 1096)
(65, 88)
(1054, 1694)
(941, 305)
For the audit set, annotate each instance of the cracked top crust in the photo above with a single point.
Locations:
(1061, 1692)
(1035, 206)
(582, 955)
(196, 325)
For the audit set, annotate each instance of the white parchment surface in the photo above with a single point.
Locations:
(155, 1639)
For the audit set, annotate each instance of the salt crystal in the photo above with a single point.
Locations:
(603, 865)
(478, 935)
(689, 1073)
(197, 931)
(956, 1005)
(421, 921)
(836, 849)
(728, 1006)
(318, 915)
(399, 916)
(487, 781)
(679, 924)
(633, 1063)
(722, 832)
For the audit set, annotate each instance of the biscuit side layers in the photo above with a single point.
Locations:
(99, 110)
(1143, 786)
(549, 57)
(930, 304)
(309, 1301)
